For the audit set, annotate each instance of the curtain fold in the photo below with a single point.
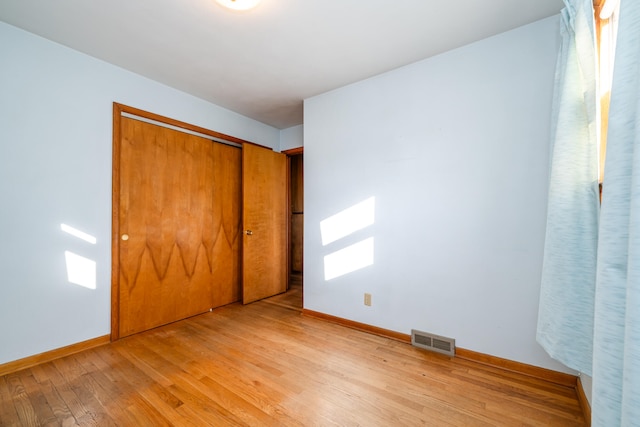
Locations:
(565, 317)
(616, 358)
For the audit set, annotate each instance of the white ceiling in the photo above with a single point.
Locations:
(264, 62)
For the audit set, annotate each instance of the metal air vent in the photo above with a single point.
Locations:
(433, 342)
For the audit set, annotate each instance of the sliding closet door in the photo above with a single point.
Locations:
(264, 195)
(226, 247)
(179, 225)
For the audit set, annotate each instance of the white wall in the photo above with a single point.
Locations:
(292, 137)
(55, 167)
(455, 151)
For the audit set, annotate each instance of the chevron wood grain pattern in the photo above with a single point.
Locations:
(180, 213)
(265, 364)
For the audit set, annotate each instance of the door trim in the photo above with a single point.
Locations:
(294, 151)
(118, 110)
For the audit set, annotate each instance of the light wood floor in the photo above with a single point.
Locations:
(267, 364)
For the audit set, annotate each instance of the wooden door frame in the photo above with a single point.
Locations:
(118, 110)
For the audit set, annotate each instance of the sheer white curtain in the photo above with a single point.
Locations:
(616, 355)
(589, 315)
(565, 318)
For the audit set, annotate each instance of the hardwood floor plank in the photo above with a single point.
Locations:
(8, 413)
(61, 411)
(133, 380)
(255, 395)
(242, 410)
(35, 391)
(251, 367)
(62, 388)
(26, 413)
(95, 413)
(265, 364)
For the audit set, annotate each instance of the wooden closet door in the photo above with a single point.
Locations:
(171, 241)
(264, 203)
(226, 247)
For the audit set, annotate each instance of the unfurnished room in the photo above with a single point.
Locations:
(319, 213)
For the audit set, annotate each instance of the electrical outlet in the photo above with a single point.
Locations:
(367, 299)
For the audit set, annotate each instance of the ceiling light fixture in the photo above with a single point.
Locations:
(239, 4)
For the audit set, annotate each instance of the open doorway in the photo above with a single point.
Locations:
(296, 223)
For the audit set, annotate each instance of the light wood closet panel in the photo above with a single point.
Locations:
(264, 249)
(180, 225)
(227, 221)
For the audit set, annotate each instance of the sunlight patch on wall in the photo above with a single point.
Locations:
(348, 221)
(77, 233)
(80, 270)
(349, 259)
(353, 257)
